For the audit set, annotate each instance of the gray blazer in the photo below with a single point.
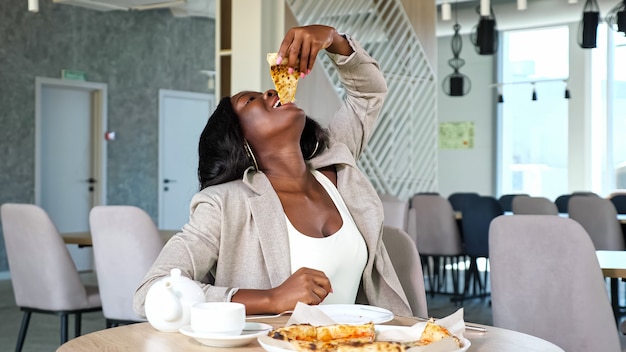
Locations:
(237, 231)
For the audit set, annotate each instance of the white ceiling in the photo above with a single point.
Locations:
(538, 13)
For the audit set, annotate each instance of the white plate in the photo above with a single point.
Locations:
(271, 345)
(356, 313)
(250, 333)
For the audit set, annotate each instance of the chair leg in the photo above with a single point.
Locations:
(64, 324)
(23, 328)
(77, 324)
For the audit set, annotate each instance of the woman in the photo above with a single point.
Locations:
(284, 214)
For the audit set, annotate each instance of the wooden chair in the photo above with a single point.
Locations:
(43, 275)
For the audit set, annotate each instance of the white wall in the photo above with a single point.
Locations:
(468, 170)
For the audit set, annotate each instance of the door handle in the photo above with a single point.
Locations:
(91, 180)
(167, 180)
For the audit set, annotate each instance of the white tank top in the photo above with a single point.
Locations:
(341, 256)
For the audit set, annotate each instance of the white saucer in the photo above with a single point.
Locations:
(250, 332)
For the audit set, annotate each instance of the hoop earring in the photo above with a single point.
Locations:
(248, 150)
(317, 144)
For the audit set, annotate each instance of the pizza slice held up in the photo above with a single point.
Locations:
(285, 82)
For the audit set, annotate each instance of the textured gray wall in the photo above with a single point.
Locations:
(136, 53)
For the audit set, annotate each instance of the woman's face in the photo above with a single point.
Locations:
(261, 116)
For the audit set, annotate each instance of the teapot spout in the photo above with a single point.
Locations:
(171, 308)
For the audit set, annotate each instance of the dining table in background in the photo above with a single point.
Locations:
(613, 265)
(83, 239)
(143, 337)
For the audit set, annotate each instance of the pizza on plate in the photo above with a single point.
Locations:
(285, 82)
(353, 337)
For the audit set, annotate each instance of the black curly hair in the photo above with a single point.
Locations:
(222, 157)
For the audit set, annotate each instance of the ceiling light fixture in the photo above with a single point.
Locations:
(617, 17)
(484, 35)
(500, 87)
(446, 11)
(521, 5)
(33, 5)
(588, 26)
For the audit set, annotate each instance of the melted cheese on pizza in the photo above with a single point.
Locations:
(285, 82)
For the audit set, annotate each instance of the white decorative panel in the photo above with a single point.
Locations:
(401, 157)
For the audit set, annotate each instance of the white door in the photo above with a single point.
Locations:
(182, 117)
(69, 162)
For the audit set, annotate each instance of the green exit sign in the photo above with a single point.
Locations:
(75, 75)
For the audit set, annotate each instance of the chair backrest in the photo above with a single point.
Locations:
(407, 264)
(433, 227)
(477, 217)
(458, 200)
(43, 273)
(599, 218)
(619, 201)
(561, 202)
(506, 201)
(125, 244)
(534, 260)
(525, 205)
(396, 211)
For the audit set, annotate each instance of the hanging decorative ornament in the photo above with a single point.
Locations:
(456, 84)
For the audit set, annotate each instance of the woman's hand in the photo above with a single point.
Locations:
(306, 285)
(306, 42)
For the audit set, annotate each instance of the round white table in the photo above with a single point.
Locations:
(143, 337)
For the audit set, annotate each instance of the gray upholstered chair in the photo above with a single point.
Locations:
(546, 282)
(406, 262)
(43, 275)
(396, 211)
(506, 201)
(526, 205)
(125, 244)
(599, 218)
(433, 227)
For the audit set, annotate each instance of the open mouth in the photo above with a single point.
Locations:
(277, 104)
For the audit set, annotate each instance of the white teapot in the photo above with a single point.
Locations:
(169, 301)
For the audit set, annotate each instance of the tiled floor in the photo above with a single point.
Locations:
(43, 333)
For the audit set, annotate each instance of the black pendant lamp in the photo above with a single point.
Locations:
(588, 26)
(617, 17)
(456, 84)
(484, 35)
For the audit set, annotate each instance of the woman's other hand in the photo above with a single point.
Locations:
(306, 285)
(306, 42)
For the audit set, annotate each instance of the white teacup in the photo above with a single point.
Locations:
(218, 318)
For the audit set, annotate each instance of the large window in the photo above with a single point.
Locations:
(533, 136)
(608, 107)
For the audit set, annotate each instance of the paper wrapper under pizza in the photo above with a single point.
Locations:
(304, 313)
(285, 82)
